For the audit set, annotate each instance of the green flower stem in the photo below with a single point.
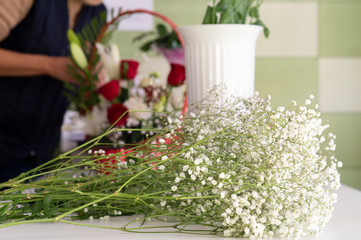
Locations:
(247, 11)
(57, 219)
(20, 178)
(25, 222)
(117, 192)
(89, 225)
(141, 219)
(214, 12)
(138, 228)
(179, 231)
(167, 97)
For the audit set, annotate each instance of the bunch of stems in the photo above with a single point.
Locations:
(224, 156)
(84, 184)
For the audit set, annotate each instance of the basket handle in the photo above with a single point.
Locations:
(129, 12)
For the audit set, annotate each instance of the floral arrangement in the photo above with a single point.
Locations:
(131, 100)
(236, 166)
(113, 93)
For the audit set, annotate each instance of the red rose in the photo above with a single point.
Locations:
(128, 69)
(177, 75)
(110, 90)
(118, 114)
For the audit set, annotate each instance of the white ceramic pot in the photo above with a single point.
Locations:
(219, 53)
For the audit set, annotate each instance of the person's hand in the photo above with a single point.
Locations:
(59, 68)
(103, 76)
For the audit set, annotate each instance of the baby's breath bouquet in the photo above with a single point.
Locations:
(253, 172)
(236, 166)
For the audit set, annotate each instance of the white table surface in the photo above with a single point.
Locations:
(345, 224)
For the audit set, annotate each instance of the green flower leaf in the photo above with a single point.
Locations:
(223, 5)
(162, 30)
(265, 29)
(4, 208)
(266, 32)
(239, 18)
(241, 7)
(254, 12)
(210, 17)
(47, 200)
(228, 16)
(37, 207)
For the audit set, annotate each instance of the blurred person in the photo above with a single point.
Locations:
(34, 52)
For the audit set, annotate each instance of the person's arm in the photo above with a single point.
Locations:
(21, 64)
(11, 13)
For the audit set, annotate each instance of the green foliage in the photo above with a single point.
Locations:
(83, 95)
(37, 207)
(3, 210)
(161, 37)
(235, 12)
(64, 187)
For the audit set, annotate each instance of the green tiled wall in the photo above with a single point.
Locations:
(340, 36)
(340, 25)
(296, 77)
(347, 128)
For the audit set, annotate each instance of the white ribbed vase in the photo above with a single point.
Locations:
(219, 53)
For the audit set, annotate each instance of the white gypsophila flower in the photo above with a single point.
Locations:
(250, 171)
(138, 110)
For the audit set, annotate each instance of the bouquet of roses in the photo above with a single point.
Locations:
(132, 100)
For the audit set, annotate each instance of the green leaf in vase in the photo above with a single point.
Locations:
(229, 16)
(254, 12)
(210, 17)
(265, 29)
(241, 7)
(223, 5)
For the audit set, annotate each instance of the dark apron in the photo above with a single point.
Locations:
(32, 108)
